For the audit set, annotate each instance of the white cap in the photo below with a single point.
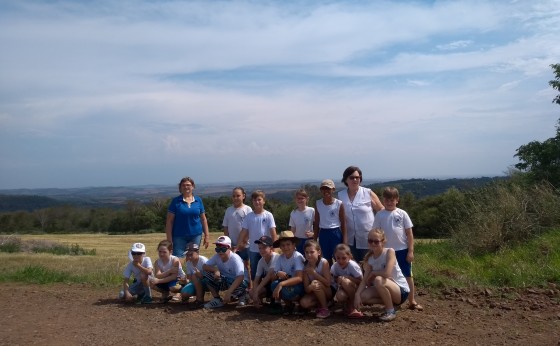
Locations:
(138, 247)
(223, 240)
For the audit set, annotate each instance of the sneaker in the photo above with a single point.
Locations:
(214, 303)
(145, 300)
(323, 313)
(242, 300)
(388, 316)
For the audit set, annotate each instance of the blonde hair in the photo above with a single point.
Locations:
(381, 233)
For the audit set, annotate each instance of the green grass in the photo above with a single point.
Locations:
(535, 263)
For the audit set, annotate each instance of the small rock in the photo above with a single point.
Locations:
(487, 292)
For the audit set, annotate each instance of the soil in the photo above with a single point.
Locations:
(81, 314)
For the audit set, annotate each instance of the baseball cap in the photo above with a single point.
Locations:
(223, 240)
(138, 247)
(191, 247)
(328, 183)
(265, 240)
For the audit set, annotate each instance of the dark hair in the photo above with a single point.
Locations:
(189, 179)
(310, 243)
(167, 244)
(390, 192)
(240, 189)
(348, 172)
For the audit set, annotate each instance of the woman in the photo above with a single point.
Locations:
(186, 219)
(359, 205)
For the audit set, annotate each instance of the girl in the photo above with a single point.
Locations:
(233, 219)
(316, 280)
(347, 275)
(383, 281)
(167, 269)
(329, 224)
(301, 219)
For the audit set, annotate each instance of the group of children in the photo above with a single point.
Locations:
(314, 267)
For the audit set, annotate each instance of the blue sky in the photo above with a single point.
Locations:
(110, 93)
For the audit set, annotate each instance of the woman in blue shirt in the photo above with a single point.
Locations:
(186, 219)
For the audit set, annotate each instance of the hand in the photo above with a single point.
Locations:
(315, 285)
(309, 234)
(205, 242)
(410, 256)
(276, 293)
(227, 296)
(282, 275)
(154, 281)
(127, 296)
(309, 271)
(340, 280)
(217, 274)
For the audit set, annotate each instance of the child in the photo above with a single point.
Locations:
(168, 268)
(224, 272)
(233, 220)
(261, 282)
(141, 267)
(329, 224)
(316, 280)
(301, 219)
(255, 225)
(287, 276)
(383, 281)
(347, 275)
(194, 264)
(398, 229)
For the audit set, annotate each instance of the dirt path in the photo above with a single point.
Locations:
(77, 315)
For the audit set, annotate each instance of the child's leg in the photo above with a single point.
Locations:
(308, 301)
(199, 288)
(388, 291)
(348, 289)
(145, 282)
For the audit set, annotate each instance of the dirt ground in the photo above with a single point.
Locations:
(80, 314)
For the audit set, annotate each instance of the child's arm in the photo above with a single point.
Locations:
(125, 286)
(273, 234)
(227, 293)
(375, 202)
(389, 265)
(342, 218)
(410, 241)
(242, 239)
(316, 224)
(362, 286)
(147, 271)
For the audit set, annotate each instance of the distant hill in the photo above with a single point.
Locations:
(27, 203)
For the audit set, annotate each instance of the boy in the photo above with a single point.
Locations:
(141, 267)
(301, 219)
(330, 222)
(261, 282)
(287, 276)
(224, 272)
(255, 225)
(194, 264)
(397, 226)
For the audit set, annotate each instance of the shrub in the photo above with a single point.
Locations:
(10, 244)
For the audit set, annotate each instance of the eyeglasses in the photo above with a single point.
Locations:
(374, 241)
(220, 249)
(189, 254)
(136, 253)
(354, 177)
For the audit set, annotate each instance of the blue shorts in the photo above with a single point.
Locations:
(289, 292)
(329, 238)
(406, 267)
(254, 258)
(301, 244)
(244, 254)
(404, 295)
(190, 289)
(166, 286)
(358, 254)
(136, 288)
(180, 243)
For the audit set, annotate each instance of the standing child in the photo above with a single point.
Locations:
(262, 283)
(383, 281)
(224, 272)
(398, 230)
(257, 223)
(233, 221)
(141, 267)
(347, 275)
(301, 219)
(316, 280)
(194, 265)
(329, 223)
(287, 276)
(167, 269)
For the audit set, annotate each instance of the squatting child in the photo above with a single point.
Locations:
(141, 267)
(316, 280)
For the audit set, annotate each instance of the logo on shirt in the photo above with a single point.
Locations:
(332, 213)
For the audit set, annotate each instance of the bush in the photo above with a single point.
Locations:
(502, 214)
(10, 244)
(15, 244)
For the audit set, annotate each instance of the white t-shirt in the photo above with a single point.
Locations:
(289, 265)
(394, 223)
(132, 269)
(359, 216)
(233, 220)
(258, 225)
(165, 267)
(190, 267)
(329, 215)
(380, 263)
(352, 269)
(231, 268)
(263, 267)
(302, 221)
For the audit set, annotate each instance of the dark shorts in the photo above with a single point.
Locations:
(166, 286)
(244, 254)
(404, 295)
(406, 267)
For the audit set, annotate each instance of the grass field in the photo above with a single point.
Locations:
(436, 265)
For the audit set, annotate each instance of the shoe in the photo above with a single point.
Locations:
(415, 306)
(299, 311)
(214, 303)
(355, 314)
(145, 300)
(275, 309)
(288, 310)
(198, 304)
(242, 300)
(323, 313)
(388, 316)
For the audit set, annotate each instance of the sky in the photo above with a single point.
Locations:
(120, 93)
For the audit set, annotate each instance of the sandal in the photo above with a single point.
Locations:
(415, 306)
(355, 314)
(176, 299)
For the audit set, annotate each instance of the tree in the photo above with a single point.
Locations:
(541, 160)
